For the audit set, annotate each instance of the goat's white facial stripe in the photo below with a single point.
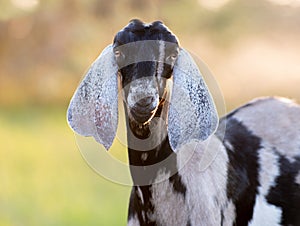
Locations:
(142, 51)
(161, 59)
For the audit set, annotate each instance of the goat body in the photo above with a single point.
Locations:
(253, 179)
(187, 169)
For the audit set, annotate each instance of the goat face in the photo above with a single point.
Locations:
(145, 54)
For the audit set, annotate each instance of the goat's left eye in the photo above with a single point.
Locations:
(117, 53)
(172, 57)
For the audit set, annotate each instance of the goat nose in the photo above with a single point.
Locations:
(146, 101)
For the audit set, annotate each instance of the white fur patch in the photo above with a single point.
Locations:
(144, 156)
(228, 145)
(269, 169)
(206, 186)
(140, 194)
(229, 214)
(298, 178)
(265, 214)
(170, 207)
(133, 221)
(276, 121)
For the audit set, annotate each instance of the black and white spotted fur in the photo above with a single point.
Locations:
(254, 180)
(253, 177)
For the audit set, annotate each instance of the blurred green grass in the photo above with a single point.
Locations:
(44, 179)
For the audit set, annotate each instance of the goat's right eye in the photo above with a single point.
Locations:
(174, 56)
(119, 56)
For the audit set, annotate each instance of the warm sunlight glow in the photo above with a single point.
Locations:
(213, 4)
(293, 3)
(25, 4)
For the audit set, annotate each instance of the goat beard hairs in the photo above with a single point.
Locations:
(93, 110)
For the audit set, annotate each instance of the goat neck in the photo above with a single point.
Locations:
(148, 149)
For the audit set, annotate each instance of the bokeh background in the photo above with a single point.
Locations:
(252, 48)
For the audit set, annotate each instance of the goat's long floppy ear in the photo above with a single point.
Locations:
(93, 110)
(192, 113)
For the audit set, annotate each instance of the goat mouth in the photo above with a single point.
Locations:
(142, 116)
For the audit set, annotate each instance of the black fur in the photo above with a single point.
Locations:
(138, 31)
(177, 184)
(139, 209)
(286, 193)
(189, 223)
(222, 217)
(131, 68)
(243, 168)
(241, 144)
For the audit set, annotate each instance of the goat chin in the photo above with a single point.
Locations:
(140, 130)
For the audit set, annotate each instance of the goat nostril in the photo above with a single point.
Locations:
(146, 101)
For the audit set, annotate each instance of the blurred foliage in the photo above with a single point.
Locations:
(46, 46)
(252, 47)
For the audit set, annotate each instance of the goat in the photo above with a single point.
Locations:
(172, 126)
